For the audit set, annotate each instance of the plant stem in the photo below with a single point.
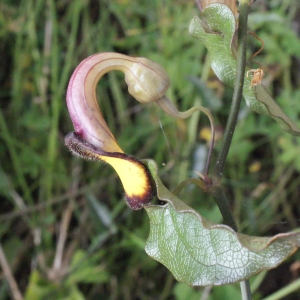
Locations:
(245, 290)
(238, 88)
(220, 197)
(9, 276)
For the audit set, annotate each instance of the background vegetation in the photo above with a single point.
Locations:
(65, 229)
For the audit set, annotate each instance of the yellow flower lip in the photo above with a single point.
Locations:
(134, 175)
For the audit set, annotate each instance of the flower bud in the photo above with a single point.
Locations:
(147, 81)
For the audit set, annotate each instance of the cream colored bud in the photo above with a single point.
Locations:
(146, 80)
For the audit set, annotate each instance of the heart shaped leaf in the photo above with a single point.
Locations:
(216, 30)
(199, 253)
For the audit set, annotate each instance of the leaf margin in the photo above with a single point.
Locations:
(255, 245)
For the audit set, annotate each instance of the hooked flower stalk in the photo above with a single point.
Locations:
(147, 82)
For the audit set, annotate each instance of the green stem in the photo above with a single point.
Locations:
(219, 194)
(238, 88)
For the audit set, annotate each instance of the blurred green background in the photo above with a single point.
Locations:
(65, 229)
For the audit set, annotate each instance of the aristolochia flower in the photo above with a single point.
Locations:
(92, 139)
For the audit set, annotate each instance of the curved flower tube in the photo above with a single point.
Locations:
(92, 139)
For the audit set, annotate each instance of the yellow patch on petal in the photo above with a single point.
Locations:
(134, 175)
(135, 179)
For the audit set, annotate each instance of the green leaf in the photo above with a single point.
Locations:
(38, 288)
(216, 30)
(86, 269)
(74, 294)
(199, 253)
